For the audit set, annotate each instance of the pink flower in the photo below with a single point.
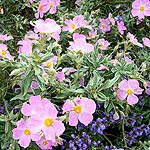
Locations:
(128, 60)
(35, 106)
(134, 40)
(104, 25)
(45, 119)
(103, 44)
(129, 89)
(121, 27)
(5, 37)
(80, 45)
(45, 144)
(26, 47)
(4, 52)
(92, 34)
(47, 26)
(102, 67)
(43, 8)
(82, 23)
(23, 133)
(110, 18)
(141, 8)
(146, 41)
(60, 75)
(82, 110)
(71, 25)
(52, 5)
(77, 36)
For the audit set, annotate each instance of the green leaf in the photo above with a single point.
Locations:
(20, 97)
(6, 127)
(110, 83)
(37, 70)
(26, 83)
(45, 57)
(95, 78)
(24, 59)
(40, 81)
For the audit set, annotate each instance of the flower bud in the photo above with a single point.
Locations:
(15, 72)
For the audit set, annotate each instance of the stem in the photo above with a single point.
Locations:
(107, 139)
(5, 105)
(124, 132)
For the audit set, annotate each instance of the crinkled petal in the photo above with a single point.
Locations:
(25, 141)
(68, 106)
(89, 106)
(17, 133)
(132, 99)
(133, 84)
(49, 133)
(73, 118)
(26, 109)
(122, 94)
(85, 118)
(35, 137)
(123, 85)
(58, 127)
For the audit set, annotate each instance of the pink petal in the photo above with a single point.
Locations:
(123, 85)
(68, 106)
(35, 125)
(50, 111)
(25, 141)
(122, 94)
(138, 91)
(35, 100)
(132, 99)
(17, 133)
(133, 84)
(49, 133)
(35, 137)
(26, 109)
(73, 118)
(89, 106)
(85, 118)
(58, 127)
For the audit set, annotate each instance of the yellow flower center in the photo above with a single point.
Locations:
(45, 143)
(41, 7)
(3, 52)
(73, 26)
(31, 54)
(49, 64)
(101, 46)
(51, 75)
(129, 91)
(91, 36)
(142, 8)
(1, 10)
(48, 122)
(27, 132)
(51, 5)
(103, 26)
(77, 109)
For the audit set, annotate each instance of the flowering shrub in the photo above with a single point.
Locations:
(75, 74)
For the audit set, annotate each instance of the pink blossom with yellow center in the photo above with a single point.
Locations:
(129, 89)
(80, 109)
(141, 8)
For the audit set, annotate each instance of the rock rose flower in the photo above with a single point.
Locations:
(129, 89)
(80, 109)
